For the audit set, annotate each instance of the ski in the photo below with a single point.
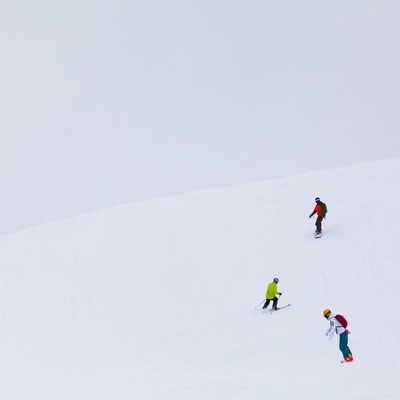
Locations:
(280, 308)
(272, 310)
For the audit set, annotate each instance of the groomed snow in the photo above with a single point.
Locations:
(156, 300)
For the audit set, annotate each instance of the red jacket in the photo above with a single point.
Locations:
(318, 210)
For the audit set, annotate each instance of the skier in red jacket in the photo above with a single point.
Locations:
(320, 213)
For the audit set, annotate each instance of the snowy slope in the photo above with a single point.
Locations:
(156, 300)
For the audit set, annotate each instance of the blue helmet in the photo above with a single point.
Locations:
(317, 199)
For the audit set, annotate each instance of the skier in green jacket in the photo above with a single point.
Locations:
(272, 293)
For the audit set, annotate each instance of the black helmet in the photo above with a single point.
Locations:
(276, 280)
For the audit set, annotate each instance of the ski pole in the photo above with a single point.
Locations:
(259, 304)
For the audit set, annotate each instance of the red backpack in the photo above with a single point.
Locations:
(342, 320)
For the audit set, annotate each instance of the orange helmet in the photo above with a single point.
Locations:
(326, 313)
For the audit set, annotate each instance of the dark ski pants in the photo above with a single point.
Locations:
(274, 302)
(318, 222)
(344, 348)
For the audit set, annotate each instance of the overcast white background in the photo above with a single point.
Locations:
(107, 102)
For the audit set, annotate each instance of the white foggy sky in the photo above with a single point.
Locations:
(107, 102)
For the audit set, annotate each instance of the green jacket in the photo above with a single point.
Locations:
(272, 291)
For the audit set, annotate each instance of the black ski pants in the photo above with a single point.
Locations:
(274, 302)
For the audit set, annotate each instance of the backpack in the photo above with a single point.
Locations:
(323, 208)
(342, 320)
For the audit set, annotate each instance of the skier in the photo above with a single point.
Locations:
(319, 210)
(272, 292)
(336, 326)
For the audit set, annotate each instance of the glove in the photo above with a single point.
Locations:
(280, 294)
(310, 216)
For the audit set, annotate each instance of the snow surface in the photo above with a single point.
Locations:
(156, 299)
